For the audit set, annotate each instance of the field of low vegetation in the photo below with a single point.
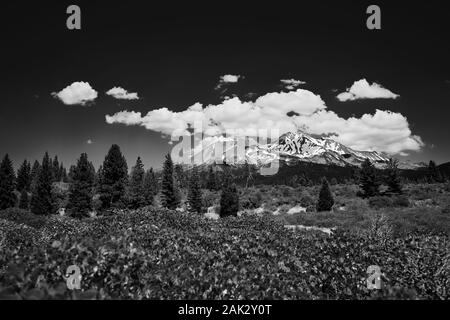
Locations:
(182, 234)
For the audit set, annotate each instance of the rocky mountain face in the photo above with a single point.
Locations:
(291, 148)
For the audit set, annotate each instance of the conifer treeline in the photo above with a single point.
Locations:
(112, 187)
(35, 186)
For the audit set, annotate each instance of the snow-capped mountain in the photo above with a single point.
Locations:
(290, 148)
(299, 146)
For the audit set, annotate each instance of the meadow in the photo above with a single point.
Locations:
(155, 253)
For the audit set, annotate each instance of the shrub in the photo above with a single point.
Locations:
(251, 199)
(379, 202)
(162, 254)
(400, 201)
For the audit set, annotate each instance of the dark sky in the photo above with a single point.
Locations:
(172, 55)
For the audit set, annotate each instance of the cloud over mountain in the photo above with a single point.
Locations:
(301, 109)
(361, 89)
(78, 93)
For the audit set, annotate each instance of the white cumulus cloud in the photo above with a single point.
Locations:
(121, 93)
(78, 93)
(383, 131)
(227, 79)
(361, 89)
(291, 84)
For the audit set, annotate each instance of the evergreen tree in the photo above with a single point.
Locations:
(55, 170)
(211, 181)
(81, 188)
(35, 172)
(7, 184)
(325, 201)
(136, 196)
(150, 187)
(62, 173)
(42, 199)
(71, 173)
(229, 198)
(180, 176)
(434, 174)
(194, 192)
(369, 180)
(65, 177)
(250, 173)
(169, 193)
(98, 178)
(114, 179)
(24, 177)
(393, 177)
(24, 202)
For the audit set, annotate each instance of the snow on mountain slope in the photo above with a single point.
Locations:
(290, 148)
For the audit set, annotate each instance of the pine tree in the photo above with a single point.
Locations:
(55, 170)
(63, 173)
(24, 202)
(194, 192)
(81, 188)
(136, 198)
(229, 198)
(393, 177)
(24, 177)
(65, 177)
(7, 184)
(42, 199)
(211, 182)
(114, 179)
(169, 193)
(71, 173)
(34, 173)
(325, 201)
(150, 187)
(434, 174)
(369, 180)
(180, 177)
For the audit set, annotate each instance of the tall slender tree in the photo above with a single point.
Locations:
(150, 187)
(34, 173)
(24, 202)
(194, 192)
(114, 179)
(24, 177)
(392, 177)
(169, 193)
(8, 198)
(81, 188)
(229, 198)
(43, 199)
(211, 180)
(55, 170)
(369, 180)
(136, 196)
(180, 176)
(325, 201)
(434, 174)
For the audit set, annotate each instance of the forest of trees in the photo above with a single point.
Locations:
(35, 186)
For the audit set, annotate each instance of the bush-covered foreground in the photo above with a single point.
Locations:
(162, 254)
